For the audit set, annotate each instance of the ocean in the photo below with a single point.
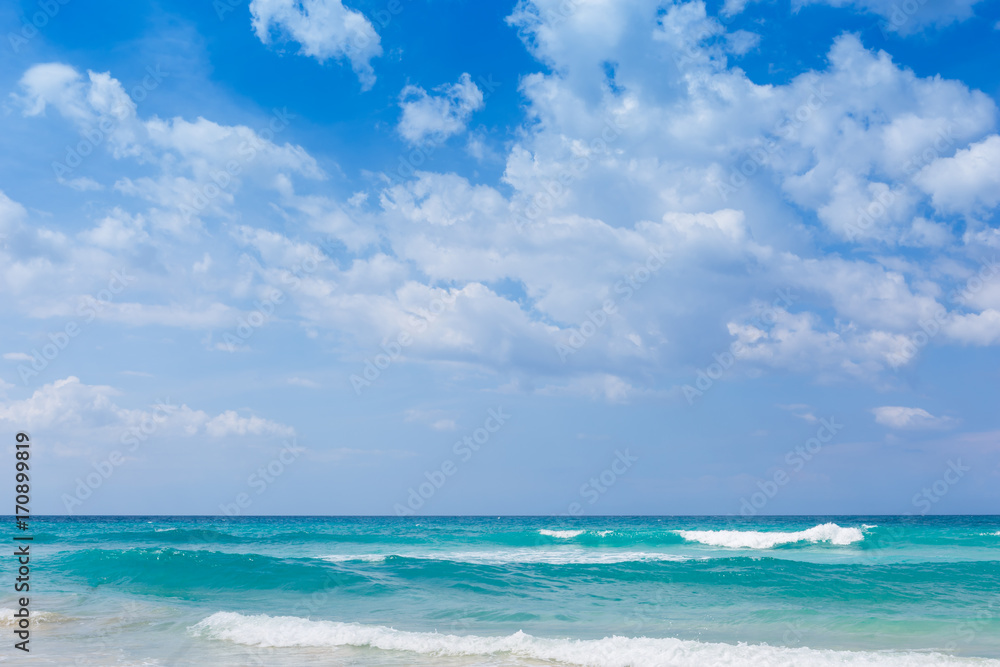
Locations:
(598, 591)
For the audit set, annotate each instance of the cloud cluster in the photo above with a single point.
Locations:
(324, 29)
(823, 186)
(432, 118)
(69, 407)
(898, 417)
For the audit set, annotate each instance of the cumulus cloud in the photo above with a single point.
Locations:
(967, 182)
(692, 160)
(898, 417)
(195, 159)
(70, 406)
(231, 423)
(433, 117)
(324, 29)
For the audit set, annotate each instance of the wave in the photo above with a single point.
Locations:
(357, 558)
(562, 534)
(289, 631)
(520, 556)
(166, 535)
(756, 539)
(187, 573)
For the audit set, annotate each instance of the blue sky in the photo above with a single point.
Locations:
(286, 257)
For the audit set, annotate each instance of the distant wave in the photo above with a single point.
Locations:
(355, 558)
(165, 536)
(520, 556)
(172, 571)
(562, 534)
(756, 539)
(289, 631)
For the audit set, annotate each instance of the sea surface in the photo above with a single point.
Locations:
(601, 591)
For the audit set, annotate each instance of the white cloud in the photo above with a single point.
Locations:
(910, 418)
(98, 105)
(742, 42)
(434, 419)
(323, 28)
(117, 231)
(432, 118)
(70, 407)
(604, 387)
(194, 158)
(11, 213)
(231, 423)
(975, 328)
(81, 184)
(967, 182)
(56, 84)
(596, 177)
(17, 356)
(733, 7)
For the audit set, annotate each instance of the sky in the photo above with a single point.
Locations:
(554, 257)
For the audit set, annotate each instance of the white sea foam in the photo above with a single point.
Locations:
(288, 631)
(7, 617)
(562, 534)
(755, 539)
(346, 558)
(507, 556)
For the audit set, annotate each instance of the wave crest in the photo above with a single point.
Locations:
(562, 534)
(288, 631)
(755, 539)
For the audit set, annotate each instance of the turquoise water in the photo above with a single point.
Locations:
(597, 591)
